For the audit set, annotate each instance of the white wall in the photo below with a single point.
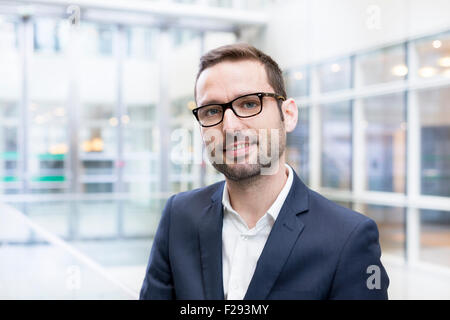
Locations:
(304, 31)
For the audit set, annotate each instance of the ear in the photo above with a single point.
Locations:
(290, 112)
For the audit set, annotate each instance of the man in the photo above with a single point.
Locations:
(261, 233)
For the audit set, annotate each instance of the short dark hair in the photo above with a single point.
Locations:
(239, 52)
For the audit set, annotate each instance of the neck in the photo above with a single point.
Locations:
(253, 197)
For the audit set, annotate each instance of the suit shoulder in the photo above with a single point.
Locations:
(198, 193)
(196, 199)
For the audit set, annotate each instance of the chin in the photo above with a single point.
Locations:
(239, 172)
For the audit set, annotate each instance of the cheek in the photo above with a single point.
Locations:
(211, 137)
(269, 118)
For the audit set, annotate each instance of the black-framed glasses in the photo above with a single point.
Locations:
(245, 106)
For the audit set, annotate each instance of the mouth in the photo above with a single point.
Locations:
(238, 149)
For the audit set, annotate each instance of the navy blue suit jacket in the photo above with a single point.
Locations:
(316, 250)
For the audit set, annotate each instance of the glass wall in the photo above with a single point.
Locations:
(335, 75)
(138, 117)
(47, 134)
(185, 52)
(381, 66)
(432, 57)
(297, 82)
(391, 226)
(89, 117)
(435, 237)
(98, 133)
(10, 113)
(297, 151)
(435, 141)
(85, 121)
(336, 145)
(380, 132)
(385, 140)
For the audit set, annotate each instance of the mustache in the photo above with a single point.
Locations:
(221, 140)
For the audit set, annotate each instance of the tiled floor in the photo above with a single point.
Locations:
(421, 282)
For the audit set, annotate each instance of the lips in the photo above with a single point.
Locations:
(239, 150)
(237, 146)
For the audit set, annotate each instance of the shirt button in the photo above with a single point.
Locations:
(235, 286)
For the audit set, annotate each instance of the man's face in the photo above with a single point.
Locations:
(238, 145)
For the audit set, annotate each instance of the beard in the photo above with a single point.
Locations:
(268, 155)
(238, 172)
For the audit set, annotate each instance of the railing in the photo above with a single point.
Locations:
(56, 269)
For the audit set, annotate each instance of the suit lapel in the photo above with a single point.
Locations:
(281, 240)
(210, 236)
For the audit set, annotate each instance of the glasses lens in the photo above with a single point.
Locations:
(247, 106)
(210, 115)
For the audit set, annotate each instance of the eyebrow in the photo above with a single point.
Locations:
(211, 102)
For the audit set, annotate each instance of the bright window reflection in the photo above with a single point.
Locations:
(139, 124)
(98, 140)
(391, 226)
(435, 237)
(48, 135)
(336, 145)
(297, 151)
(385, 135)
(48, 147)
(221, 3)
(10, 177)
(297, 82)
(433, 57)
(184, 58)
(435, 141)
(335, 75)
(50, 36)
(214, 39)
(141, 43)
(98, 132)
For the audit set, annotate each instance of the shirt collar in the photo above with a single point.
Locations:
(275, 208)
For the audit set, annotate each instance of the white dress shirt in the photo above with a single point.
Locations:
(241, 246)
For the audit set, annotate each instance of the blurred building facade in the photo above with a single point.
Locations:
(96, 130)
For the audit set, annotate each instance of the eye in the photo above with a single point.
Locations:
(249, 105)
(210, 112)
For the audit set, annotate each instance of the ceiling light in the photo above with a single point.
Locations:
(400, 70)
(39, 119)
(113, 121)
(437, 44)
(446, 73)
(125, 119)
(60, 148)
(444, 62)
(335, 67)
(427, 72)
(298, 75)
(97, 144)
(59, 112)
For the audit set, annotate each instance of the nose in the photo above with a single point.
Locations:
(231, 122)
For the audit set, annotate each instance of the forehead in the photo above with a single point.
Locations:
(229, 79)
